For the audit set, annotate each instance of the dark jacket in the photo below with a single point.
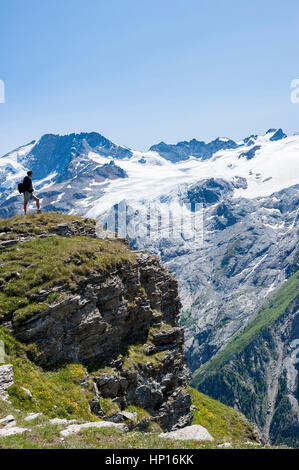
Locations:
(27, 184)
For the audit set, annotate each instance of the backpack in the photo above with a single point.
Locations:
(21, 188)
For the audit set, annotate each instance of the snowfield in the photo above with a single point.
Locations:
(275, 166)
(152, 178)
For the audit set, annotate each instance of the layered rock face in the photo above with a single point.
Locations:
(122, 323)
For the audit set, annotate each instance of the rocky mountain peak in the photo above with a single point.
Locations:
(54, 153)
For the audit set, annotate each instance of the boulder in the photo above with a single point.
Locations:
(75, 428)
(62, 421)
(10, 431)
(7, 420)
(33, 416)
(194, 433)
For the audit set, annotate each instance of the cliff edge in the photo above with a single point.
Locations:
(72, 298)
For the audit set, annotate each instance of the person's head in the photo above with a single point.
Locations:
(29, 173)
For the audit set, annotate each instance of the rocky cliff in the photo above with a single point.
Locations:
(73, 298)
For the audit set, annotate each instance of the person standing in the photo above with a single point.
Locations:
(28, 192)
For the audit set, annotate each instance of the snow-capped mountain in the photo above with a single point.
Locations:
(226, 267)
(87, 161)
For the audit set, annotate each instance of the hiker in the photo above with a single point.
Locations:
(28, 192)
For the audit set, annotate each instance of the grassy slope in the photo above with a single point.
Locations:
(49, 263)
(222, 421)
(57, 393)
(272, 309)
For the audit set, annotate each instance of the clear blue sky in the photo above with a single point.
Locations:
(142, 71)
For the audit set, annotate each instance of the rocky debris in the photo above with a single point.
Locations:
(10, 431)
(195, 433)
(28, 393)
(8, 420)
(6, 380)
(104, 234)
(75, 428)
(250, 443)
(226, 445)
(155, 388)
(33, 416)
(111, 385)
(71, 228)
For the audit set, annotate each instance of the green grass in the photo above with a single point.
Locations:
(37, 224)
(47, 437)
(142, 415)
(222, 421)
(278, 304)
(55, 393)
(109, 407)
(29, 267)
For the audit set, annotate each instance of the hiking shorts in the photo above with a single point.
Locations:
(28, 196)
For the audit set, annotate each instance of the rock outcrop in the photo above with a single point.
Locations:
(121, 321)
(6, 380)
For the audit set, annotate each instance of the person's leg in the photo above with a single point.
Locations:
(25, 206)
(37, 202)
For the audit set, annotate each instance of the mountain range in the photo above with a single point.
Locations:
(243, 248)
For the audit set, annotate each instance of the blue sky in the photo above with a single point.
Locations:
(142, 71)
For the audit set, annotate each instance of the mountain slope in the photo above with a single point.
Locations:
(257, 371)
